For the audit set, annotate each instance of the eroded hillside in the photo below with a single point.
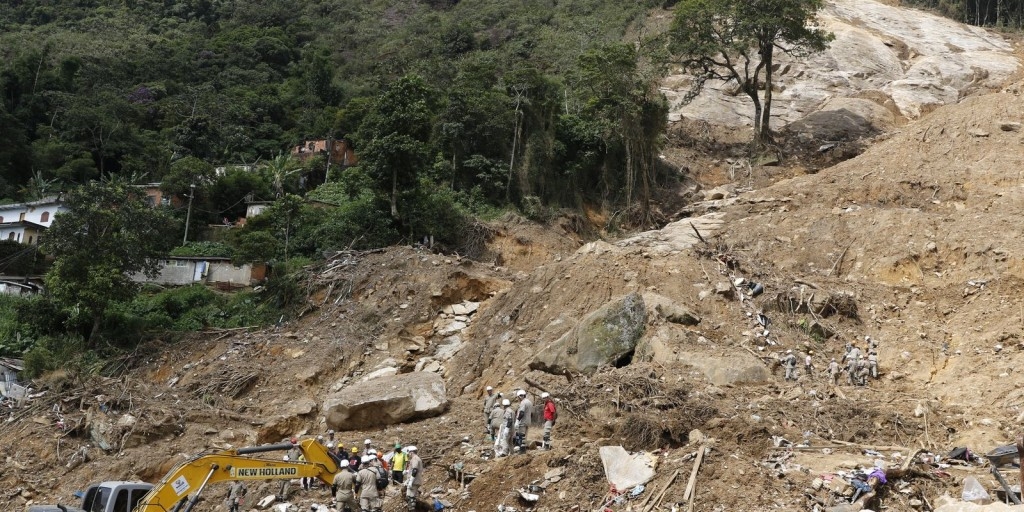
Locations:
(914, 243)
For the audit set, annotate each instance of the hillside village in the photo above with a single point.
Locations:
(834, 327)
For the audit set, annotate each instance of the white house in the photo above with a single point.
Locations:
(39, 212)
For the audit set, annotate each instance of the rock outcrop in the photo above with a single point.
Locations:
(386, 401)
(904, 61)
(608, 336)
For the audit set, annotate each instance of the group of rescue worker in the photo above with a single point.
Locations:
(367, 475)
(508, 428)
(859, 364)
(363, 476)
(365, 472)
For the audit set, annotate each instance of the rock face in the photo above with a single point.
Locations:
(606, 336)
(903, 60)
(386, 401)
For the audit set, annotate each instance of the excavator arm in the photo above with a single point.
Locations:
(179, 490)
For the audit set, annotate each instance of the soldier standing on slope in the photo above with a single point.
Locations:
(496, 414)
(853, 360)
(344, 488)
(523, 417)
(488, 405)
(369, 498)
(504, 430)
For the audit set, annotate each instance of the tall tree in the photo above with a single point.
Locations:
(107, 234)
(736, 40)
(395, 135)
(621, 95)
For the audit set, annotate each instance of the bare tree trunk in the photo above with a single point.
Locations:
(629, 171)
(96, 320)
(752, 93)
(766, 125)
(515, 140)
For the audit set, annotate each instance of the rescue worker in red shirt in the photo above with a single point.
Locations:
(550, 415)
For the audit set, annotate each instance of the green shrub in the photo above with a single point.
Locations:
(199, 249)
(53, 352)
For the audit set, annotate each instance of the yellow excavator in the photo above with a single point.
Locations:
(181, 488)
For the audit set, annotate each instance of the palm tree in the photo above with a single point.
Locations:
(37, 187)
(279, 168)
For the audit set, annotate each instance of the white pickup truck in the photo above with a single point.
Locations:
(105, 497)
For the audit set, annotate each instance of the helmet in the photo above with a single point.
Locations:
(398, 446)
(521, 393)
(365, 459)
(330, 446)
(488, 388)
(371, 451)
(367, 441)
(790, 351)
(343, 463)
(411, 448)
(355, 449)
(810, 352)
(330, 432)
(320, 438)
(867, 338)
(545, 395)
(506, 403)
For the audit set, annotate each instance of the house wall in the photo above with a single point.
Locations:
(255, 209)
(185, 272)
(172, 272)
(225, 272)
(8, 289)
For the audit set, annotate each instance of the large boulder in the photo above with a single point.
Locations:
(386, 401)
(607, 336)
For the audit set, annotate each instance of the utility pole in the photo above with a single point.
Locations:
(188, 216)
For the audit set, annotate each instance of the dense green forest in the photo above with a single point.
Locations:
(456, 109)
(990, 13)
(502, 103)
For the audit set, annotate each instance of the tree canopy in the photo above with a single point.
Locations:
(735, 41)
(486, 95)
(107, 234)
